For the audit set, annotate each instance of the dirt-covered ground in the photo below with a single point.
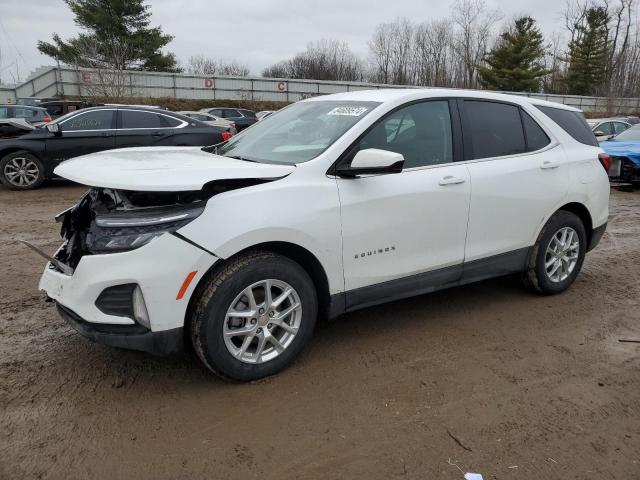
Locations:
(485, 378)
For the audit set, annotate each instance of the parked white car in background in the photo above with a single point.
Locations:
(607, 128)
(338, 202)
(211, 120)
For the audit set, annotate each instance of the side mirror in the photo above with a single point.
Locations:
(599, 133)
(53, 128)
(372, 161)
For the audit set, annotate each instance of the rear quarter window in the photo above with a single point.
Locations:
(174, 122)
(571, 122)
(536, 138)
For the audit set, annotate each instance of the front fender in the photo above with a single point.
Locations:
(304, 212)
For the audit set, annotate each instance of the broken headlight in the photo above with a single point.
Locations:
(116, 232)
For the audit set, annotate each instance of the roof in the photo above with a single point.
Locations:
(126, 107)
(199, 112)
(399, 95)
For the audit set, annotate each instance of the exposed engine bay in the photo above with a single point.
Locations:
(107, 220)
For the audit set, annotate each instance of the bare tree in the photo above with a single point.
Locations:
(322, 60)
(106, 78)
(201, 65)
(277, 70)
(556, 64)
(381, 48)
(475, 27)
(574, 15)
(435, 62)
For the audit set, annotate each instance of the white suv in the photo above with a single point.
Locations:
(332, 204)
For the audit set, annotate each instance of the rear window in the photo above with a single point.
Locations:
(27, 113)
(138, 119)
(571, 122)
(496, 128)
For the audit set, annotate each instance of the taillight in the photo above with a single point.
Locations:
(226, 136)
(47, 119)
(605, 160)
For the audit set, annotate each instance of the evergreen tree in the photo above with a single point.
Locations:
(516, 63)
(115, 35)
(588, 54)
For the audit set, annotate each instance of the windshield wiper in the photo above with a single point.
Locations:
(238, 157)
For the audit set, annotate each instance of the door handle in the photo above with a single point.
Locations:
(106, 134)
(450, 180)
(549, 164)
(158, 134)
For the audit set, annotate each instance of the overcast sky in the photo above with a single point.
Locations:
(255, 32)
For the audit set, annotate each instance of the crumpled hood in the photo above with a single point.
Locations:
(631, 150)
(167, 169)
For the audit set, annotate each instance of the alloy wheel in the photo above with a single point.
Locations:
(562, 254)
(262, 321)
(21, 172)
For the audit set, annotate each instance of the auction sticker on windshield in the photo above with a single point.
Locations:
(348, 111)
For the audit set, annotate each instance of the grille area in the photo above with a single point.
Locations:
(117, 300)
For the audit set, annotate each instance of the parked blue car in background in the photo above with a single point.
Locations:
(624, 150)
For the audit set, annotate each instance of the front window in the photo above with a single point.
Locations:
(297, 133)
(420, 132)
(605, 128)
(84, 121)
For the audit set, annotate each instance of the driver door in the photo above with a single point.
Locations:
(404, 233)
(86, 132)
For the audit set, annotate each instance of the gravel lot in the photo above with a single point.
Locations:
(485, 378)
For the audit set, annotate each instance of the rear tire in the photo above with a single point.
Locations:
(558, 254)
(21, 170)
(237, 344)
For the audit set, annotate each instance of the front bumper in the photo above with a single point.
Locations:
(158, 268)
(161, 343)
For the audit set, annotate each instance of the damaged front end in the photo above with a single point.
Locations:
(107, 220)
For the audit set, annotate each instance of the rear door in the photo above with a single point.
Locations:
(141, 128)
(83, 133)
(518, 175)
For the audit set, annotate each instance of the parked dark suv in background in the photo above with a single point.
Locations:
(26, 161)
(57, 108)
(241, 117)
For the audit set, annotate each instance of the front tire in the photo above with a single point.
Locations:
(558, 254)
(254, 316)
(21, 170)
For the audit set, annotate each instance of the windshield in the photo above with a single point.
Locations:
(629, 135)
(297, 133)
